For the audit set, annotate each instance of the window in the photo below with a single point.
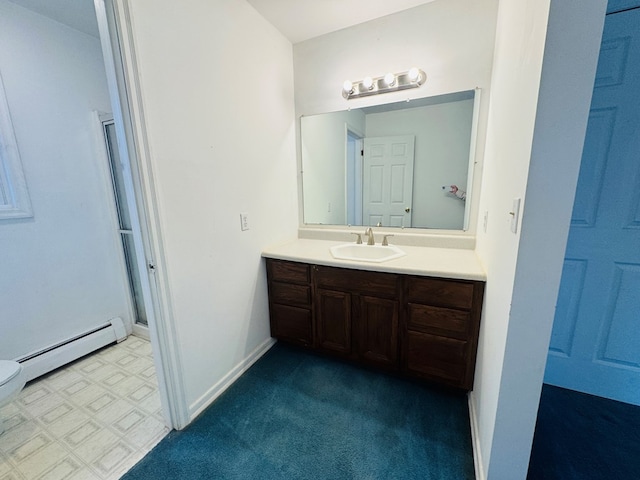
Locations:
(14, 197)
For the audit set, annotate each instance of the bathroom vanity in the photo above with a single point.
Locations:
(410, 316)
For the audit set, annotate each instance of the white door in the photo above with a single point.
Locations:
(595, 344)
(388, 181)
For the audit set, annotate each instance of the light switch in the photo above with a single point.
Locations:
(244, 221)
(515, 213)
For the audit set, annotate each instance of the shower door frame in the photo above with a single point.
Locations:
(120, 197)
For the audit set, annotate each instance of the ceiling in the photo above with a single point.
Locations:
(298, 20)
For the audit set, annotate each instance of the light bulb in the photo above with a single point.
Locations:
(389, 79)
(367, 83)
(414, 74)
(347, 86)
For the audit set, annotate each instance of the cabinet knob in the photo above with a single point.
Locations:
(408, 209)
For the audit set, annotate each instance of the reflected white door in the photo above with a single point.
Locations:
(388, 181)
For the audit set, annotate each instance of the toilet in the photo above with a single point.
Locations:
(12, 380)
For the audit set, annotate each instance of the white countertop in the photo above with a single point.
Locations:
(425, 261)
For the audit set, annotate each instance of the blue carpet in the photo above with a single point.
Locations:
(294, 415)
(584, 437)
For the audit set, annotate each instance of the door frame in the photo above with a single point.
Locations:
(358, 136)
(114, 24)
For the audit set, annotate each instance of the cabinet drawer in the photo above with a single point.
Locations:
(292, 324)
(283, 271)
(383, 284)
(440, 292)
(439, 321)
(290, 294)
(438, 358)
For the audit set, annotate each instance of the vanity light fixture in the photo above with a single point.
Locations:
(389, 79)
(390, 82)
(414, 74)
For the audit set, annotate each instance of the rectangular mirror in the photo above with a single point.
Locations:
(390, 165)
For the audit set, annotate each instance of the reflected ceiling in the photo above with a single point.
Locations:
(77, 14)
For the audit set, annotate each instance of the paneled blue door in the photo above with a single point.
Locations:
(595, 344)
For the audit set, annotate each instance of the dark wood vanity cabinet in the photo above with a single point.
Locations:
(290, 301)
(356, 314)
(440, 329)
(419, 326)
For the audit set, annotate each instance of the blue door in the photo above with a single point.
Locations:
(595, 344)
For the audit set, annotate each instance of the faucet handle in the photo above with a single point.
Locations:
(385, 242)
(359, 239)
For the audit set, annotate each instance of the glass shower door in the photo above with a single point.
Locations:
(126, 234)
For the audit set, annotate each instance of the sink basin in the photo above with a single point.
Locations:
(366, 253)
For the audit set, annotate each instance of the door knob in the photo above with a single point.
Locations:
(407, 209)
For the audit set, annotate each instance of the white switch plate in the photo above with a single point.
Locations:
(244, 221)
(515, 213)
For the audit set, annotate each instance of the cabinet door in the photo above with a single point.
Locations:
(377, 331)
(292, 324)
(438, 358)
(333, 320)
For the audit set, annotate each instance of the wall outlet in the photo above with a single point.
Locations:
(244, 221)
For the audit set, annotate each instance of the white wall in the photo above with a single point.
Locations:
(537, 121)
(62, 269)
(442, 135)
(220, 144)
(198, 137)
(452, 41)
(323, 146)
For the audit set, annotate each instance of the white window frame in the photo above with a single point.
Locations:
(14, 196)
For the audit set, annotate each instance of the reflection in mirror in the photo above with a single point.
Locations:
(389, 165)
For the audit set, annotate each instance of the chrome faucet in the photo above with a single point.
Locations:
(369, 233)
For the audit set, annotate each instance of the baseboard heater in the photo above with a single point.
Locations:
(54, 356)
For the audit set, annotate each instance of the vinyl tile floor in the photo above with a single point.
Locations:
(93, 419)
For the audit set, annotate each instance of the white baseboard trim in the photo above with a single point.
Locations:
(475, 439)
(216, 390)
